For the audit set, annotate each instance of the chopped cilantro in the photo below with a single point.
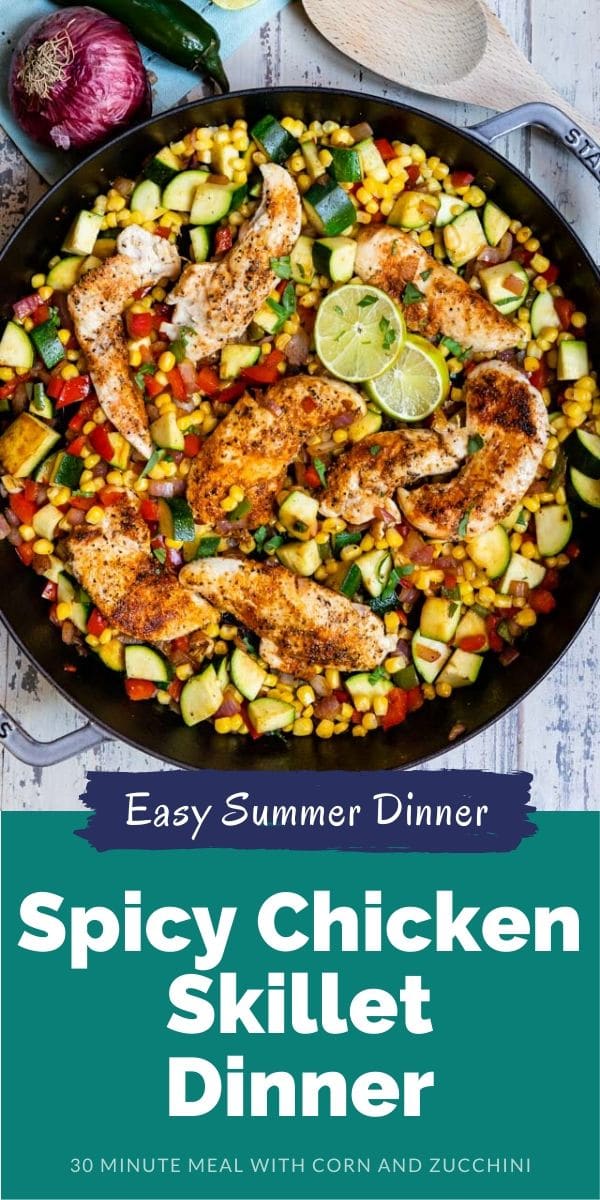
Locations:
(286, 306)
(389, 333)
(375, 450)
(260, 536)
(455, 348)
(179, 346)
(407, 569)
(411, 294)
(145, 369)
(367, 301)
(425, 274)
(377, 674)
(474, 443)
(464, 523)
(160, 554)
(207, 547)
(282, 267)
(319, 466)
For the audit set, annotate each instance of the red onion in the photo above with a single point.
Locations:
(28, 304)
(403, 649)
(319, 685)
(296, 351)
(4, 527)
(328, 707)
(230, 707)
(76, 77)
(388, 518)
(187, 371)
(19, 399)
(12, 518)
(75, 516)
(417, 550)
(166, 488)
(14, 537)
(343, 420)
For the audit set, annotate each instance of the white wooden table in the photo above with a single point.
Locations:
(555, 732)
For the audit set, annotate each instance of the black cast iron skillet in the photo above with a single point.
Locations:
(97, 692)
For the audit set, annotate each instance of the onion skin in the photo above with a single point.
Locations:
(76, 77)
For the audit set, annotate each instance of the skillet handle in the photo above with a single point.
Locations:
(45, 754)
(545, 116)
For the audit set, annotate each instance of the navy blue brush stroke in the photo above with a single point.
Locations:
(504, 826)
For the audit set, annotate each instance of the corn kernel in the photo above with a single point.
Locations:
(475, 196)
(324, 729)
(43, 546)
(95, 515)
(358, 731)
(223, 724)
(392, 622)
(167, 361)
(444, 690)
(531, 363)
(303, 727)
(27, 532)
(362, 703)
(184, 671)
(369, 721)
(63, 610)
(526, 618)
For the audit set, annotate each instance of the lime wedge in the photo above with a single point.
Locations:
(358, 332)
(415, 384)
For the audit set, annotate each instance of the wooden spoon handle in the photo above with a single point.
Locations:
(531, 87)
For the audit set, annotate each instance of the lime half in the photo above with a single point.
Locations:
(415, 384)
(358, 332)
(234, 4)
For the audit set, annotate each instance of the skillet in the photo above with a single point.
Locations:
(96, 692)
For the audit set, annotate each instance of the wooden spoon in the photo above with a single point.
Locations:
(452, 48)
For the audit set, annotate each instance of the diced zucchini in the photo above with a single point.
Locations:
(43, 473)
(406, 678)
(64, 276)
(82, 235)
(65, 589)
(366, 685)
(524, 570)
(450, 207)
(553, 528)
(235, 358)
(491, 551)
(40, 404)
(212, 201)
(429, 656)
(345, 165)
(247, 675)
(16, 349)
(165, 432)
(583, 451)
(495, 223)
(163, 167)
(201, 696)
(112, 654)
(179, 194)
(225, 159)
(310, 154)
(369, 423)
(121, 450)
(375, 568)
(298, 514)
(275, 141)
(329, 208)
(301, 261)
(46, 521)
(494, 280)
(462, 669)
(517, 519)
(202, 546)
(268, 714)
(439, 618)
(67, 470)
(175, 520)
(222, 672)
(48, 344)
(146, 198)
(79, 615)
(464, 238)
(470, 626)
(303, 558)
(200, 243)
(573, 360)
(266, 320)
(543, 314)
(371, 161)
(54, 570)
(24, 444)
(414, 210)
(142, 662)
(335, 256)
(585, 488)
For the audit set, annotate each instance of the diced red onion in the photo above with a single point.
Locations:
(508, 656)
(75, 516)
(14, 537)
(445, 563)
(27, 305)
(187, 371)
(343, 420)
(518, 587)
(166, 488)
(19, 399)
(388, 518)
(69, 633)
(409, 595)
(327, 707)
(319, 685)
(174, 558)
(296, 350)
(12, 518)
(100, 471)
(403, 649)
(153, 412)
(124, 186)
(417, 550)
(4, 527)
(361, 131)
(230, 706)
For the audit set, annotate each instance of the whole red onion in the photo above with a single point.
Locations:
(76, 77)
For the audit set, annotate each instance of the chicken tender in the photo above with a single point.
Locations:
(301, 624)
(254, 445)
(114, 563)
(510, 417)
(219, 300)
(96, 305)
(365, 478)
(390, 259)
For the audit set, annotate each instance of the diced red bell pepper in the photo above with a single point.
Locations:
(7, 389)
(494, 638)
(311, 478)
(176, 384)
(267, 371)
(541, 600)
(551, 578)
(460, 179)
(472, 644)
(450, 579)
(397, 709)
(140, 324)
(83, 414)
(308, 405)
(140, 689)
(74, 391)
(175, 689)
(31, 490)
(233, 392)
(223, 240)
(25, 552)
(109, 496)
(23, 508)
(541, 377)
(415, 699)
(573, 550)
(208, 381)
(413, 172)
(565, 309)
(151, 386)
(162, 231)
(76, 446)
(551, 274)
(55, 386)
(182, 644)
(50, 592)
(191, 445)
(96, 623)
(385, 148)
(149, 510)
(84, 503)
(101, 443)
(140, 293)
(41, 314)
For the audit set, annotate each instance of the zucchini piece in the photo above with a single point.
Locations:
(247, 675)
(346, 580)
(165, 432)
(543, 314)
(335, 256)
(44, 471)
(112, 654)
(439, 618)
(67, 470)
(65, 274)
(407, 678)
(329, 208)
(298, 514)
(274, 141)
(163, 167)
(65, 589)
(47, 343)
(490, 551)
(16, 349)
(24, 444)
(142, 662)
(179, 194)
(365, 425)
(365, 685)
(223, 673)
(429, 656)
(79, 615)
(46, 521)
(212, 201)
(494, 279)
(82, 235)
(375, 568)
(55, 570)
(495, 223)
(268, 714)
(573, 360)
(235, 358)
(371, 161)
(414, 210)
(450, 207)
(175, 520)
(310, 154)
(200, 243)
(553, 528)
(201, 696)
(121, 450)
(464, 238)
(146, 198)
(224, 159)
(524, 570)
(517, 519)
(301, 261)
(462, 669)
(471, 625)
(266, 320)
(583, 452)
(585, 488)
(40, 404)
(345, 164)
(239, 192)
(303, 558)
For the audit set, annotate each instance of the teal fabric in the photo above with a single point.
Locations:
(173, 82)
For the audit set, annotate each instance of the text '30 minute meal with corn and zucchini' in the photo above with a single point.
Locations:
(295, 428)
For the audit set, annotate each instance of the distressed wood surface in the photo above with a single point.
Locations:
(555, 732)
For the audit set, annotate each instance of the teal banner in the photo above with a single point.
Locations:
(281, 1025)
